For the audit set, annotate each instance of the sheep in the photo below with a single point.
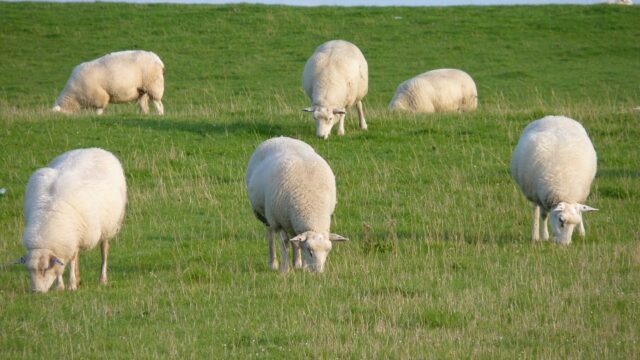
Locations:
(117, 77)
(554, 165)
(441, 90)
(73, 204)
(335, 78)
(292, 190)
(621, 2)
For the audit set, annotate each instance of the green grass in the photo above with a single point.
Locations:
(440, 263)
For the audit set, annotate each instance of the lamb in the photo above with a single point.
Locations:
(335, 78)
(73, 204)
(554, 164)
(441, 90)
(117, 77)
(293, 190)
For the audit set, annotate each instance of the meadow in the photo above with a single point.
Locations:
(439, 264)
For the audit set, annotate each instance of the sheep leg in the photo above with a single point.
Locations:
(59, 282)
(363, 122)
(284, 247)
(143, 103)
(544, 229)
(101, 100)
(535, 233)
(581, 231)
(78, 269)
(273, 261)
(341, 124)
(104, 247)
(159, 106)
(74, 272)
(297, 256)
(156, 90)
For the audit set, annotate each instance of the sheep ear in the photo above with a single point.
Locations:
(309, 109)
(559, 207)
(54, 260)
(336, 237)
(299, 238)
(22, 260)
(586, 208)
(339, 111)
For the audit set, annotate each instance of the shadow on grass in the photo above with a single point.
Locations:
(618, 173)
(204, 128)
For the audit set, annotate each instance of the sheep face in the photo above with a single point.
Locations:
(58, 108)
(315, 248)
(44, 268)
(66, 105)
(564, 218)
(325, 118)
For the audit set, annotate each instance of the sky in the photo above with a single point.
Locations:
(358, 2)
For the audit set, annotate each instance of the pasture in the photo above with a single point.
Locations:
(440, 262)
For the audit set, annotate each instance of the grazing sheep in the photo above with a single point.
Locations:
(441, 90)
(118, 77)
(73, 204)
(335, 78)
(292, 190)
(554, 164)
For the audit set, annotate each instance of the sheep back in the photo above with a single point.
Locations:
(336, 75)
(554, 161)
(441, 90)
(75, 202)
(121, 75)
(290, 186)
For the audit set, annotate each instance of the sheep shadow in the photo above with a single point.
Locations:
(203, 128)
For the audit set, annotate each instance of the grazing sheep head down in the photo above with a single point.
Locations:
(315, 248)
(66, 106)
(44, 268)
(325, 118)
(564, 218)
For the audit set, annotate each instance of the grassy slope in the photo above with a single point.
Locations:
(188, 272)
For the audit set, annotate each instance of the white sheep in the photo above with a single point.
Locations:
(441, 90)
(621, 2)
(118, 77)
(292, 190)
(335, 78)
(554, 164)
(73, 204)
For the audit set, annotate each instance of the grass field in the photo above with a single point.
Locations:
(440, 262)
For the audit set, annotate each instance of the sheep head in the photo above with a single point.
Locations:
(315, 248)
(66, 104)
(564, 218)
(325, 118)
(44, 268)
